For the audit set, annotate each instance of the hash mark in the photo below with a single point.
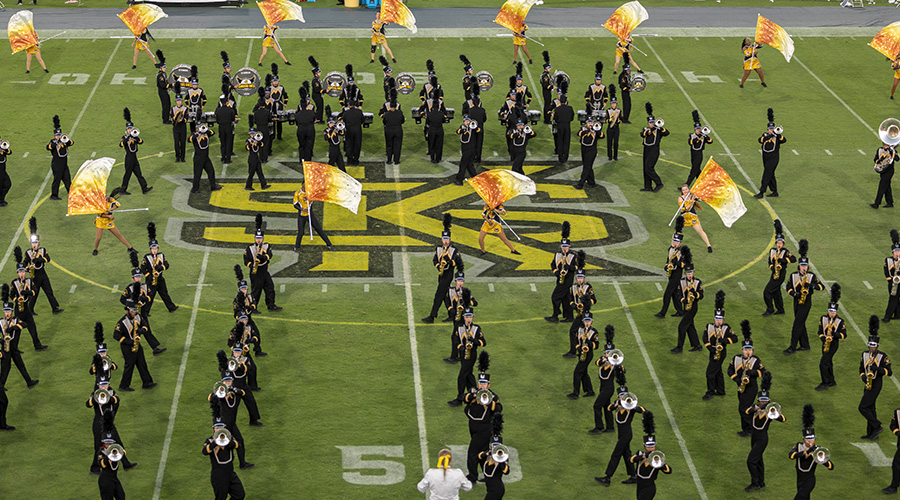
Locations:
(72, 290)
(324, 288)
(93, 154)
(25, 155)
(490, 287)
(366, 287)
(281, 288)
(868, 285)
(741, 285)
(533, 288)
(861, 151)
(795, 152)
(658, 286)
(828, 153)
(115, 289)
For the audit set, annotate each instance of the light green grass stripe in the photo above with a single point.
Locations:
(537, 33)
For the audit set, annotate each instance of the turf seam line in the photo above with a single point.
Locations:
(37, 196)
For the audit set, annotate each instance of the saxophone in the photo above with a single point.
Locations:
(6, 339)
(563, 271)
(870, 375)
(459, 307)
(829, 328)
(21, 298)
(443, 262)
(744, 378)
(804, 291)
(690, 299)
(719, 347)
(895, 281)
(777, 266)
(255, 260)
(137, 343)
(153, 263)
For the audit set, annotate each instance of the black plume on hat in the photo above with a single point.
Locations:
(160, 57)
(649, 108)
(261, 92)
(720, 299)
(4, 292)
(745, 329)
(518, 70)
(687, 256)
(598, 67)
(304, 94)
(620, 377)
(98, 329)
(274, 70)
(895, 239)
(135, 261)
(497, 424)
(393, 95)
(194, 71)
(649, 424)
(215, 409)
(448, 219)
(127, 114)
(177, 89)
(226, 86)
(17, 253)
(56, 124)
(579, 259)
(803, 247)
(238, 272)
(349, 69)
(778, 227)
(873, 325)
(268, 80)
(695, 115)
(151, 231)
(835, 293)
(609, 332)
(766, 382)
(679, 224)
(108, 423)
(465, 61)
(566, 229)
(611, 89)
(383, 60)
(466, 298)
(512, 82)
(32, 225)
(770, 114)
(546, 56)
(313, 62)
(460, 268)
(809, 416)
(224, 56)
(327, 111)
(484, 361)
(97, 363)
(223, 360)
(429, 65)
(259, 222)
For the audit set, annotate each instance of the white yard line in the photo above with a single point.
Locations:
(844, 312)
(836, 97)
(37, 196)
(661, 392)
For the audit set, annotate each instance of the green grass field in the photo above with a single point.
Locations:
(342, 366)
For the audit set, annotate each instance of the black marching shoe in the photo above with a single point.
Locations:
(32, 383)
(260, 353)
(58, 310)
(744, 434)
(551, 319)
(595, 430)
(678, 314)
(877, 433)
(151, 385)
(589, 394)
(708, 396)
(789, 351)
(159, 350)
(131, 465)
(767, 314)
(569, 355)
(695, 348)
(42, 347)
(247, 465)
(452, 361)
(676, 350)
(890, 490)
(821, 387)
(446, 320)
(256, 423)
(275, 308)
(454, 403)
(125, 389)
(602, 480)
(11, 428)
(752, 487)
(572, 395)
(630, 480)
(659, 315)
(428, 319)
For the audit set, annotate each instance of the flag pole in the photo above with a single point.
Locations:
(507, 226)
(309, 217)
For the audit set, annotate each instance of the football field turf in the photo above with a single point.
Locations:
(354, 388)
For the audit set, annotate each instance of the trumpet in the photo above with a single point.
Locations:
(137, 343)
(340, 125)
(102, 396)
(629, 401)
(778, 130)
(64, 139)
(659, 123)
(527, 129)
(597, 127)
(114, 452)
(135, 132)
(220, 390)
(773, 411)
(615, 357)
(484, 397)
(657, 459)
(232, 364)
(499, 453)
(4, 145)
(705, 131)
(222, 437)
(822, 455)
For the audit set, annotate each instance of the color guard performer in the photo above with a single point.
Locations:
(801, 286)
(831, 330)
(613, 119)
(163, 86)
(698, 140)
(892, 275)
(624, 409)
(495, 461)
(885, 158)
(623, 51)
(201, 141)
(779, 258)
(10, 333)
(587, 340)
(446, 259)
(23, 295)
(608, 372)
(392, 118)
(333, 133)
(519, 40)
(648, 465)
(36, 259)
(378, 37)
(444, 481)
(895, 65)
(750, 50)
(548, 87)
(129, 332)
(808, 455)
(763, 413)
(5, 181)
(492, 225)
(688, 204)
(674, 268)
(269, 40)
(35, 51)
(306, 218)
(105, 221)
(229, 402)
(130, 142)
(59, 164)
(625, 88)
(153, 265)
(222, 477)
(563, 268)
(690, 294)
(317, 88)
(895, 463)
(652, 134)
(305, 118)
(588, 135)
(178, 119)
(139, 293)
(481, 407)
(716, 337)
(580, 298)
(469, 338)
(466, 133)
(873, 367)
(257, 257)
(771, 146)
(744, 369)
(141, 43)
(595, 96)
(562, 116)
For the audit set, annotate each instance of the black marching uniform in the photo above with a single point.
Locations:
(153, 267)
(226, 117)
(518, 143)
(141, 292)
(752, 368)
(477, 113)
(603, 416)
(892, 275)
(622, 450)
(563, 268)
(260, 279)
(222, 476)
(778, 261)
(241, 373)
(831, 331)
(493, 475)
(771, 145)
(613, 119)
(127, 330)
(806, 469)
(467, 153)
(262, 119)
(878, 364)
(178, 118)
(256, 150)
(229, 406)
(333, 138)
(434, 112)
(37, 260)
(563, 115)
(162, 90)
(888, 156)
(587, 341)
(353, 120)
(646, 475)
(455, 306)
(99, 432)
(479, 417)
(651, 138)
(196, 100)
(59, 165)
(468, 340)
(674, 269)
(110, 486)
(690, 294)
(22, 295)
(392, 118)
(246, 335)
(588, 138)
(713, 338)
(698, 143)
(305, 117)
(10, 332)
(5, 181)
(202, 163)
(279, 100)
(132, 164)
(797, 283)
(759, 441)
(895, 463)
(581, 298)
(625, 90)
(445, 260)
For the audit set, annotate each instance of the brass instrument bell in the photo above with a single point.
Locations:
(114, 452)
(500, 453)
(484, 397)
(102, 396)
(773, 411)
(629, 401)
(615, 357)
(222, 437)
(778, 130)
(657, 459)
(889, 131)
(822, 455)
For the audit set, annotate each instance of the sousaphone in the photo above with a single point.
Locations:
(889, 131)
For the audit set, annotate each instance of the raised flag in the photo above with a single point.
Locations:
(774, 36)
(21, 31)
(138, 17)
(394, 11)
(887, 41)
(276, 11)
(326, 183)
(498, 186)
(88, 191)
(512, 14)
(718, 190)
(626, 18)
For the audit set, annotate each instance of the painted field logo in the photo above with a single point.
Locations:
(368, 242)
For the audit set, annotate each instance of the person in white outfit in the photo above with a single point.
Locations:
(443, 482)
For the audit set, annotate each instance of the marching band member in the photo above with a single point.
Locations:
(623, 416)
(895, 463)
(226, 72)
(469, 81)
(243, 301)
(317, 88)
(36, 259)
(23, 295)
(104, 415)
(229, 401)
(481, 415)
(466, 133)
(35, 51)
(595, 96)
(224, 480)
(716, 338)
(153, 265)
(434, 112)
(257, 257)
(269, 40)
(226, 118)
(563, 268)
(108, 462)
(141, 43)
(580, 297)
(10, 333)
(256, 146)
(613, 119)
(333, 133)
(262, 118)
(100, 369)
(388, 79)
(652, 134)
(306, 217)
(469, 338)
(518, 141)
(59, 164)
(494, 462)
(478, 115)
(519, 40)
(625, 88)
(378, 37)
(885, 158)
(196, 100)
(646, 470)
(587, 341)
(801, 286)
(129, 330)
(805, 455)
(674, 268)
(831, 330)
(520, 88)
(105, 221)
(5, 181)
(130, 142)
(873, 367)
(241, 373)
(444, 483)
(4, 404)
(779, 258)
(492, 225)
(750, 49)
(697, 141)
(201, 141)
(178, 119)
(589, 134)
(623, 51)
(279, 99)
(744, 369)
(305, 117)
(892, 275)
(607, 374)
(771, 146)
(895, 65)
(431, 89)
(351, 95)
(511, 112)
(139, 293)
(762, 417)
(446, 259)
(458, 299)
(352, 117)
(392, 118)
(548, 87)
(688, 204)
(562, 116)
(163, 86)
(690, 294)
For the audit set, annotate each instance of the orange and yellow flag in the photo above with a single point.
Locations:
(775, 36)
(394, 11)
(138, 17)
(498, 186)
(512, 14)
(718, 190)
(626, 18)
(276, 11)
(88, 192)
(887, 41)
(326, 183)
(21, 31)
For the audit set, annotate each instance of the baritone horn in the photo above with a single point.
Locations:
(629, 401)
(822, 455)
(203, 129)
(484, 397)
(778, 130)
(615, 357)
(4, 145)
(473, 124)
(107, 363)
(114, 452)
(102, 396)
(222, 437)
(660, 123)
(258, 136)
(500, 453)
(773, 411)
(889, 131)
(657, 459)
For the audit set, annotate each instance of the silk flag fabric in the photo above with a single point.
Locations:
(715, 187)
(138, 17)
(887, 41)
(394, 11)
(88, 192)
(512, 14)
(499, 186)
(21, 31)
(775, 36)
(276, 11)
(326, 183)
(626, 18)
